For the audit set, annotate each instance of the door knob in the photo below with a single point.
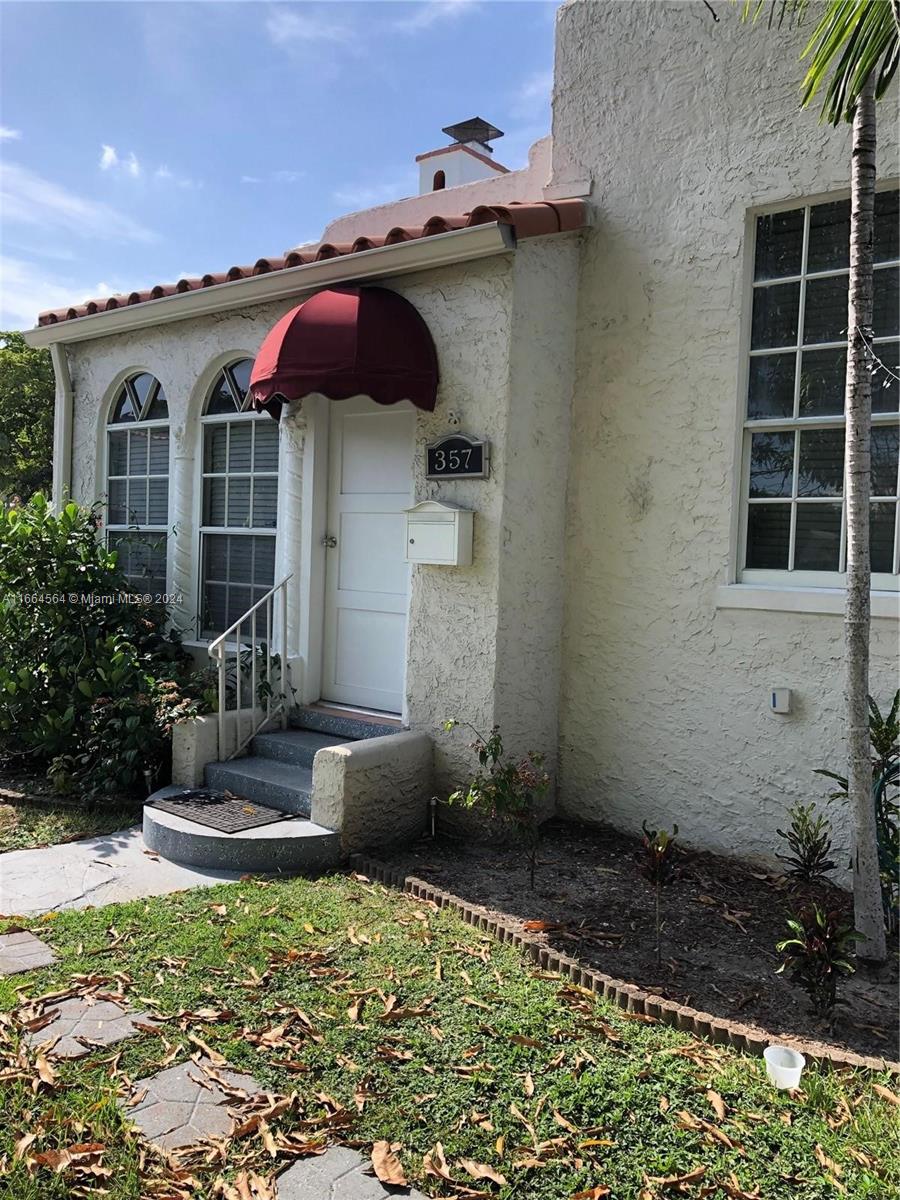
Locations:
(329, 541)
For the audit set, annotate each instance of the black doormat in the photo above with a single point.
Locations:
(219, 810)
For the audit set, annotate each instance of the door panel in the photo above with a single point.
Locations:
(367, 578)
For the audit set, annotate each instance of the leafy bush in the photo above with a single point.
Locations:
(505, 790)
(884, 738)
(817, 953)
(90, 681)
(809, 838)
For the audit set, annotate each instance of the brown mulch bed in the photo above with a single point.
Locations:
(722, 920)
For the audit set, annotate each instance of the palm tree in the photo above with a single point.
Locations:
(853, 55)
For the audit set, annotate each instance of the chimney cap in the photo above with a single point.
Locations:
(473, 130)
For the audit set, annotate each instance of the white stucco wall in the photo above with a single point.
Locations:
(663, 711)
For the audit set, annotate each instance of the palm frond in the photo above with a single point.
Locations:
(853, 39)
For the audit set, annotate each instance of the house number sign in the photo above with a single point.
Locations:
(458, 457)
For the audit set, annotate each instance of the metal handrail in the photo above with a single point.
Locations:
(219, 650)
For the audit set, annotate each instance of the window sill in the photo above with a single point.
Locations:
(829, 601)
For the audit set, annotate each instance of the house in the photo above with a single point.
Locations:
(641, 334)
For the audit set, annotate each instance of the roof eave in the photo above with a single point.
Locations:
(440, 249)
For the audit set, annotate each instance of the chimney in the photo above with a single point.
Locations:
(467, 159)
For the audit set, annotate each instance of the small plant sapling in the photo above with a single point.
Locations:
(816, 953)
(809, 839)
(505, 790)
(659, 863)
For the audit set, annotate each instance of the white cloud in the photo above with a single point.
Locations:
(425, 15)
(368, 194)
(288, 176)
(29, 199)
(110, 160)
(250, 179)
(164, 174)
(26, 290)
(9, 135)
(287, 26)
(534, 94)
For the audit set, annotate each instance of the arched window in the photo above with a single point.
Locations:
(239, 504)
(137, 482)
(439, 181)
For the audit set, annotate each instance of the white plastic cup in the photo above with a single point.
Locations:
(784, 1065)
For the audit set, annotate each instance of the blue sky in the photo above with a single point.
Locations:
(143, 141)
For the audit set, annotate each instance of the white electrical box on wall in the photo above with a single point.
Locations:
(780, 700)
(439, 534)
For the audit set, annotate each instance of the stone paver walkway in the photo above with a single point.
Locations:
(338, 1174)
(94, 871)
(23, 952)
(83, 1024)
(184, 1104)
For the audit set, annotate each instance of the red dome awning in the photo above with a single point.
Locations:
(358, 341)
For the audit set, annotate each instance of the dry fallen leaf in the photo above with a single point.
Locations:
(676, 1181)
(480, 1171)
(387, 1166)
(718, 1104)
(594, 1193)
(828, 1163)
(435, 1163)
(885, 1093)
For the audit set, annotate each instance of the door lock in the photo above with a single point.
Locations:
(329, 541)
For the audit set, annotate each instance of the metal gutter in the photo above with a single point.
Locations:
(441, 249)
(62, 428)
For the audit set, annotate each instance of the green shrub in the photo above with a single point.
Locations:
(90, 679)
(809, 840)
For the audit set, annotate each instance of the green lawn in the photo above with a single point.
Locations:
(557, 1092)
(25, 826)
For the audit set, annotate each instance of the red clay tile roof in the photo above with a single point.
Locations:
(527, 219)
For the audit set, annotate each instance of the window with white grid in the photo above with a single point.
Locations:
(137, 482)
(794, 517)
(240, 503)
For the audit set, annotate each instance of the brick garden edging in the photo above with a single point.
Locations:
(625, 995)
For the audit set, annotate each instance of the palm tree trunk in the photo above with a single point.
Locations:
(866, 883)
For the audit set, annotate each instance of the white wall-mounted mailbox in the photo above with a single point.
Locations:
(439, 534)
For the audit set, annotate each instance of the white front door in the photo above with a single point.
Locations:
(366, 575)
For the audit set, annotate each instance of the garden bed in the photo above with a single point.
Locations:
(31, 815)
(721, 923)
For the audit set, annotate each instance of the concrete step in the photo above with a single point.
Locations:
(297, 746)
(295, 845)
(348, 727)
(279, 784)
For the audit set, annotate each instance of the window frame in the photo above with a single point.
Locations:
(139, 423)
(788, 578)
(244, 415)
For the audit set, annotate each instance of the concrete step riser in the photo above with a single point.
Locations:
(297, 746)
(343, 727)
(276, 795)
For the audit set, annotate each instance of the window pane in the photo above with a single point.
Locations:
(137, 502)
(823, 375)
(768, 532)
(215, 443)
(887, 226)
(118, 453)
(771, 464)
(825, 317)
(886, 314)
(771, 386)
(885, 389)
(884, 461)
(818, 539)
(159, 451)
(829, 237)
(158, 409)
(775, 315)
(881, 537)
(215, 607)
(116, 512)
(240, 559)
(238, 501)
(239, 446)
(239, 600)
(779, 244)
(215, 547)
(821, 467)
(264, 561)
(137, 452)
(220, 398)
(158, 502)
(214, 501)
(124, 409)
(142, 385)
(240, 373)
(265, 446)
(265, 499)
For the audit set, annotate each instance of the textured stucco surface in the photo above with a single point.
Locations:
(663, 697)
(375, 791)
